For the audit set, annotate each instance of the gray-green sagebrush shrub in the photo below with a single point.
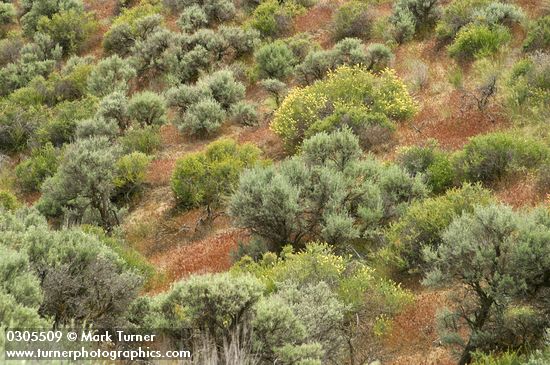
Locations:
(203, 118)
(412, 16)
(244, 113)
(81, 280)
(538, 35)
(275, 60)
(500, 260)
(114, 106)
(83, 184)
(273, 202)
(34, 11)
(352, 19)
(97, 127)
(109, 75)
(146, 140)
(147, 108)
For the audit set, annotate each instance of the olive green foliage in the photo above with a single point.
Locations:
(461, 13)
(276, 88)
(109, 75)
(378, 57)
(8, 200)
(37, 58)
(36, 11)
(41, 164)
(275, 60)
(83, 183)
(97, 127)
(413, 16)
(435, 165)
(529, 88)
(146, 140)
(20, 292)
(488, 158)
(69, 29)
(499, 258)
(114, 107)
(273, 18)
(384, 98)
(7, 14)
(203, 118)
(78, 275)
(18, 125)
(130, 172)
(424, 222)
(538, 36)
(148, 53)
(474, 41)
(352, 19)
(326, 193)
(205, 178)
(147, 108)
(325, 292)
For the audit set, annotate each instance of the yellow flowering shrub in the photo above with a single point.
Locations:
(383, 95)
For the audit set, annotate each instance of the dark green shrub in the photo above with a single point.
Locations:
(424, 222)
(8, 201)
(273, 19)
(146, 140)
(315, 66)
(41, 164)
(275, 60)
(488, 158)
(378, 57)
(35, 11)
(69, 29)
(130, 173)
(147, 108)
(352, 19)
(413, 16)
(7, 15)
(456, 15)
(276, 88)
(538, 36)
(149, 52)
(244, 113)
(301, 45)
(205, 178)
(119, 40)
(203, 118)
(17, 126)
(349, 51)
(475, 41)
(240, 41)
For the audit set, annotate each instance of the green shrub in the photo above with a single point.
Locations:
(374, 130)
(276, 88)
(543, 179)
(130, 172)
(273, 19)
(275, 60)
(203, 118)
(119, 40)
(205, 178)
(222, 87)
(97, 127)
(114, 106)
(34, 11)
(315, 66)
(352, 19)
(538, 35)
(349, 51)
(41, 164)
(149, 52)
(69, 29)
(244, 113)
(146, 140)
(110, 74)
(17, 126)
(487, 158)
(413, 16)
(192, 18)
(434, 164)
(8, 201)
(347, 86)
(7, 14)
(456, 15)
(239, 40)
(147, 108)
(425, 221)
(378, 57)
(499, 13)
(475, 41)
(352, 197)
